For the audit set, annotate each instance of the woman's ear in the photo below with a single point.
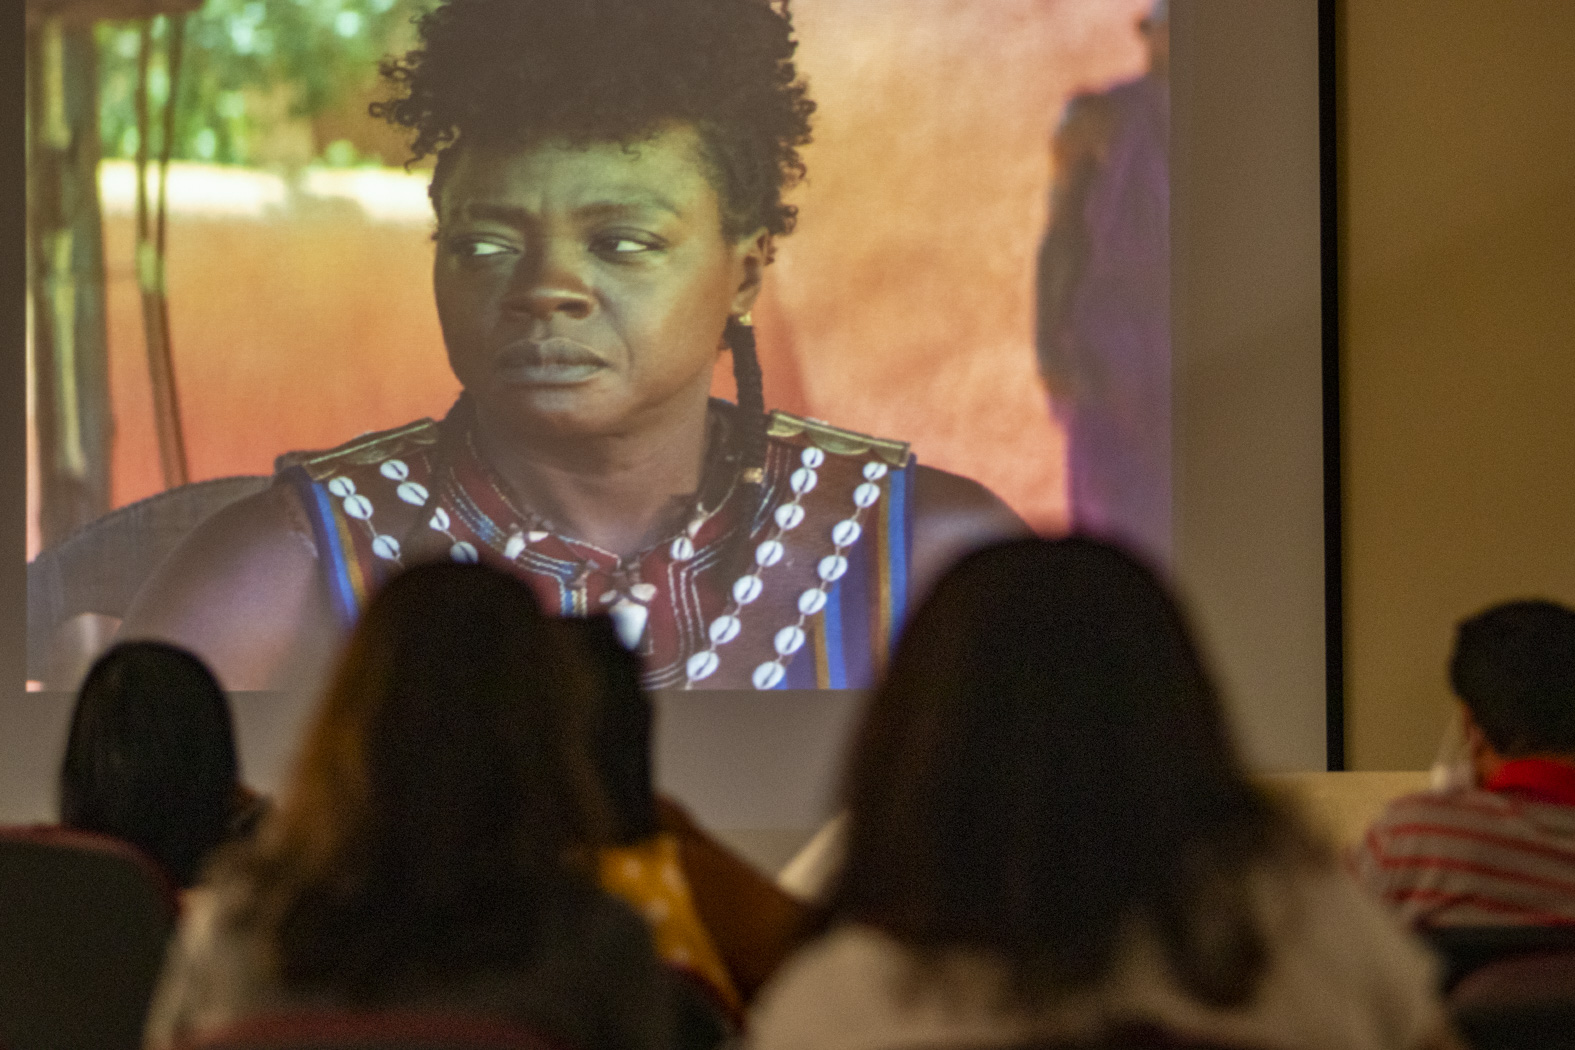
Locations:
(753, 254)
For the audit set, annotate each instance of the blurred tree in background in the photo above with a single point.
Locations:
(256, 73)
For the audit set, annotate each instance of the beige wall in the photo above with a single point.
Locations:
(1458, 214)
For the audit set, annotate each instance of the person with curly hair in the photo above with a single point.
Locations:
(608, 187)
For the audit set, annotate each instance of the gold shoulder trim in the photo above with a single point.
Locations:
(364, 450)
(835, 440)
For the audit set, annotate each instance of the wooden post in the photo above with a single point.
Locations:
(66, 277)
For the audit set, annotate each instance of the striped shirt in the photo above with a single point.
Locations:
(1502, 854)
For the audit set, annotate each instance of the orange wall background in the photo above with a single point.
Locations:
(901, 306)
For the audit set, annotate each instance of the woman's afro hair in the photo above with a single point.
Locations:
(589, 71)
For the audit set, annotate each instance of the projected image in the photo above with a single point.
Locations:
(739, 327)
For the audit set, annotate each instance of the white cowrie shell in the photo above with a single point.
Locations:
(358, 507)
(789, 516)
(514, 547)
(866, 495)
(413, 493)
(439, 520)
(683, 549)
(768, 675)
(643, 592)
(812, 457)
(536, 535)
(629, 621)
(724, 629)
(342, 487)
(832, 567)
(803, 480)
(746, 589)
(464, 553)
(846, 532)
(874, 471)
(701, 665)
(385, 547)
(812, 601)
(394, 470)
(789, 640)
(769, 553)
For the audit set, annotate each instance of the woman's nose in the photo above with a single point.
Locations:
(549, 286)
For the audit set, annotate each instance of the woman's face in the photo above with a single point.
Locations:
(583, 291)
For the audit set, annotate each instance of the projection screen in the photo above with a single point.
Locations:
(1043, 276)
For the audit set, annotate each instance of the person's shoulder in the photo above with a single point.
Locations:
(1332, 942)
(370, 449)
(954, 516)
(1423, 811)
(833, 992)
(950, 515)
(857, 987)
(784, 428)
(259, 533)
(943, 494)
(944, 503)
(242, 591)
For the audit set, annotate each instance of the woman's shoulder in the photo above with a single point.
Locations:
(858, 988)
(1330, 943)
(216, 969)
(829, 993)
(953, 516)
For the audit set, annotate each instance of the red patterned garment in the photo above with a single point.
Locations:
(1502, 854)
(813, 602)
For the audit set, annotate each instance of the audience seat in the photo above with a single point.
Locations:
(1465, 949)
(83, 930)
(393, 1030)
(1521, 1001)
(1133, 1037)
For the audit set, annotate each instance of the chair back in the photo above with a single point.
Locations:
(1464, 949)
(1521, 1001)
(83, 931)
(100, 567)
(1125, 1037)
(383, 1030)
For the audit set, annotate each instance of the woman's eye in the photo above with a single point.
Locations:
(471, 248)
(623, 245)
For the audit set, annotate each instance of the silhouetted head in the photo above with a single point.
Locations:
(619, 725)
(1514, 669)
(151, 756)
(1046, 760)
(445, 801)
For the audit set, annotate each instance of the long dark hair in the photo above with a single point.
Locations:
(151, 756)
(619, 723)
(444, 806)
(1048, 761)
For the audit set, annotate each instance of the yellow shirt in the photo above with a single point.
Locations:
(649, 877)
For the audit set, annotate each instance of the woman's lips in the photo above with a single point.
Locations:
(547, 362)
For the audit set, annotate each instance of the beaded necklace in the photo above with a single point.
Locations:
(627, 601)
